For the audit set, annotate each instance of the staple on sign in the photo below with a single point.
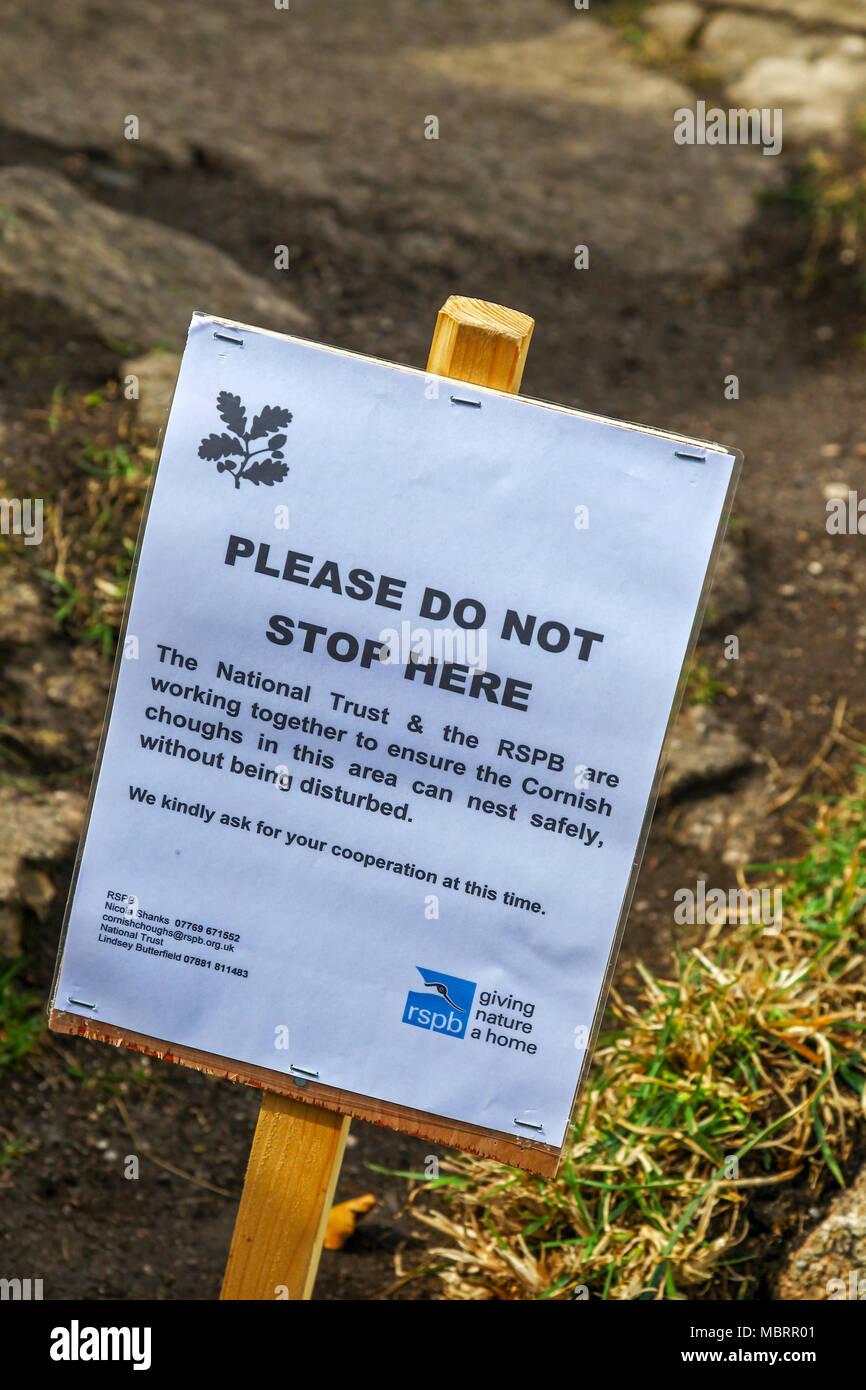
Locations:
(224, 338)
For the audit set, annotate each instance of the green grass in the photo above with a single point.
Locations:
(53, 417)
(71, 603)
(742, 1072)
(702, 686)
(111, 1083)
(22, 1021)
(91, 522)
(106, 463)
(831, 191)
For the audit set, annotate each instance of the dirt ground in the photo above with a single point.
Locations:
(624, 340)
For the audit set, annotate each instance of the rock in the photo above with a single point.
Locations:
(617, 102)
(76, 685)
(583, 59)
(703, 749)
(156, 373)
(10, 932)
(56, 699)
(38, 829)
(134, 280)
(323, 125)
(52, 695)
(51, 701)
(732, 43)
(38, 832)
(776, 60)
(848, 14)
(674, 24)
(23, 615)
(731, 594)
(36, 890)
(727, 824)
(819, 93)
(821, 1267)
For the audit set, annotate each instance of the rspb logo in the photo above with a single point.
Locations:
(444, 1005)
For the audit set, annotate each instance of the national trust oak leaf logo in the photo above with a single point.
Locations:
(231, 452)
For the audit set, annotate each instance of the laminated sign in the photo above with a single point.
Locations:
(384, 737)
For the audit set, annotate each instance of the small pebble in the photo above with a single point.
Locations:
(830, 451)
(815, 567)
(835, 490)
(787, 590)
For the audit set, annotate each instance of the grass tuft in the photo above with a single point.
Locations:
(744, 1071)
(22, 1021)
(91, 518)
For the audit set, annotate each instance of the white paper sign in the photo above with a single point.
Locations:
(401, 875)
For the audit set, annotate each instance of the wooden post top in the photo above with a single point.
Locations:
(480, 343)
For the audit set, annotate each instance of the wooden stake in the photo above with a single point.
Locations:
(481, 343)
(298, 1148)
(289, 1187)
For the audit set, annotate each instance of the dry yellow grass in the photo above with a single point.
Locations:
(744, 1069)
